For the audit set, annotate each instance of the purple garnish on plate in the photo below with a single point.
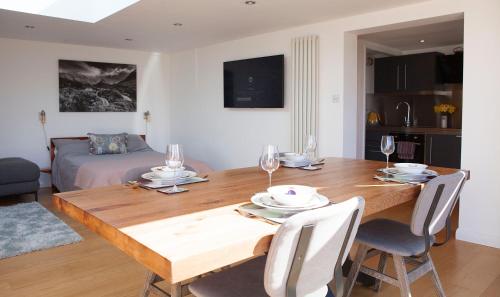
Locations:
(291, 192)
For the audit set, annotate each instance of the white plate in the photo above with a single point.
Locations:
(292, 164)
(411, 168)
(265, 200)
(165, 168)
(395, 171)
(154, 176)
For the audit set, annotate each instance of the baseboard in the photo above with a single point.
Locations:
(492, 240)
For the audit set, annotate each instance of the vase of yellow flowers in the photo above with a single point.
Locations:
(444, 110)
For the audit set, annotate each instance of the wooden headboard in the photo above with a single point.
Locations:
(53, 145)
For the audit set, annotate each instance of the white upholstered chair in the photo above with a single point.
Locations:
(305, 253)
(409, 243)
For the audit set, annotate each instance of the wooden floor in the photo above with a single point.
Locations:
(93, 268)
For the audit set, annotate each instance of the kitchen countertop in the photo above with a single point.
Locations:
(416, 130)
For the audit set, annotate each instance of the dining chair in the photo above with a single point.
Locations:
(306, 253)
(409, 243)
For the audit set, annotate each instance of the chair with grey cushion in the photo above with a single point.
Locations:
(306, 252)
(409, 243)
(18, 176)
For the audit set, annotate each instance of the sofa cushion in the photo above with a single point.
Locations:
(17, 170)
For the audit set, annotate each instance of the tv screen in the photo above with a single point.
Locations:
(254, 83)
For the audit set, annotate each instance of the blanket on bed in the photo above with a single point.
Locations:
(77, 170)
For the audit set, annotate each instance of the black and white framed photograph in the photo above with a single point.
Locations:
(97, 87)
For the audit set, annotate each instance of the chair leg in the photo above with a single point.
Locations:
(382, 264)
(36, 196)
(435, 278)
(404, 283)
(354, 271)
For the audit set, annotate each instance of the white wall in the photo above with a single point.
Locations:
(227, 138)
(231, 138)
(29, 83)
(480, 203)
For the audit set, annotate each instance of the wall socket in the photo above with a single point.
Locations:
(335, 98)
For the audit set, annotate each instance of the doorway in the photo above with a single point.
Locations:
(410, 87)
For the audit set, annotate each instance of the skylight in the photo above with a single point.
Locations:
(90, 11)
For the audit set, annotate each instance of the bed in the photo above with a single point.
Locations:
(74, 168)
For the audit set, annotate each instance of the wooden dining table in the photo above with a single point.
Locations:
(182, 236)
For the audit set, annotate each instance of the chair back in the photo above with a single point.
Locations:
(436, 202)
(306, 248)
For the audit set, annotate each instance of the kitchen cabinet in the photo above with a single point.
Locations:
(386, 75)
(451, 68)
(372, 146)
(443, 150)
(409, 73)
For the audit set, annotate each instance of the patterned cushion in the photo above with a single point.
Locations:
(101, 144)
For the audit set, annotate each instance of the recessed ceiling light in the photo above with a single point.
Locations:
(422, 40)
(128, 39)
(29, 27)
(250, 2)
(178, 24)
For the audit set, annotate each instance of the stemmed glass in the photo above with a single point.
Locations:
(387, 146)
(310, 150)
(270, 160)
(174, 160)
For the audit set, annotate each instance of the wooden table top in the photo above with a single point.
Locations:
(184, 235)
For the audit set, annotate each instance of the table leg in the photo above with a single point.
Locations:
(176, 290)
(150, 279)
(150, 287)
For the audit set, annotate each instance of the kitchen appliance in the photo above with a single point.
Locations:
(418, 139)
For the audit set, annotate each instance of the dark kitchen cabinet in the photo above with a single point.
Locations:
(452, 68)
(421, 72)
(372, 145)
(443, 150)
(386, 75)
(409, 73)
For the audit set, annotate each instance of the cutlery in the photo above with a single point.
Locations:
(251, 215)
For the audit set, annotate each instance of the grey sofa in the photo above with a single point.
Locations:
(18, 176)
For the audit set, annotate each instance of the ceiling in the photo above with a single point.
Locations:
(149, 23)
(434, 35)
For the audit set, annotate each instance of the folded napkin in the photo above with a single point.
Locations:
(406, 150)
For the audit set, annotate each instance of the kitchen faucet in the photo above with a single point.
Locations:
(407, 118)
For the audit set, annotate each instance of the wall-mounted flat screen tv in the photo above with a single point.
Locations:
(254, 83)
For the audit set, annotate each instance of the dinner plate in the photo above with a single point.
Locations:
(265, 200)
(292, 164)
(395, 171)
(154, 176)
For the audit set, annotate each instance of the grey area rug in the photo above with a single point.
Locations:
(28, 227)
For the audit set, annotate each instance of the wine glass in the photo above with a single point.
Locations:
(387, 146)
(310, 150)
(174, 160)
(270, 160)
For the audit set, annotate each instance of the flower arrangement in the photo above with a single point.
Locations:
(444, 108)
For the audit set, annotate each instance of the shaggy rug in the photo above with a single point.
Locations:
(29, 227)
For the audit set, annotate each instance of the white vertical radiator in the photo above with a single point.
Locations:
(305, 90)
